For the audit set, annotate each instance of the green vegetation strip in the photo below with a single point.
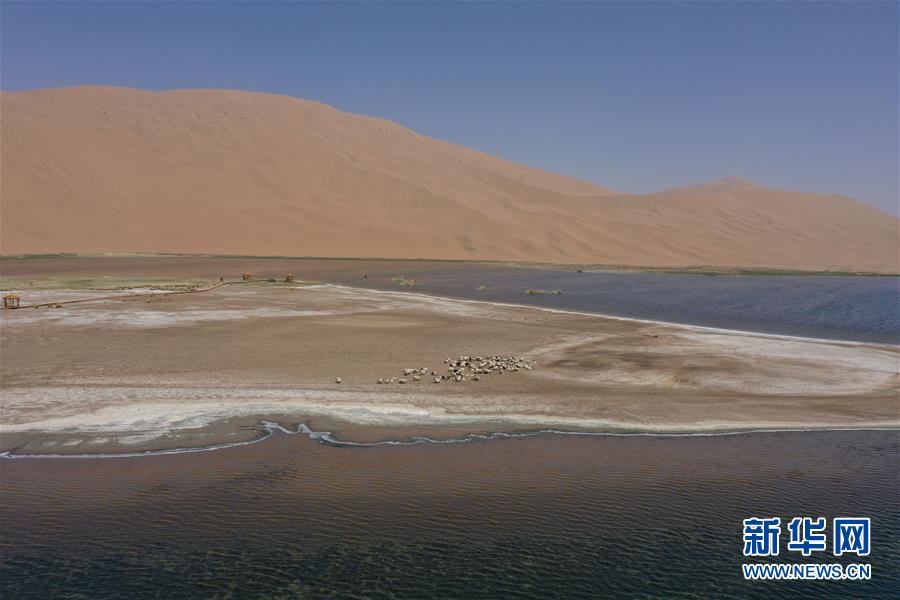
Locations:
(103, 284)
(402, 280)
(608, 268)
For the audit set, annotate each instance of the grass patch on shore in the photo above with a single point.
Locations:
(38, 256)
(544, 292)
(698, 270)
(103, 284)
(403, 280)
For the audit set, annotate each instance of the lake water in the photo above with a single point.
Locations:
(541, 517)
(858, 308)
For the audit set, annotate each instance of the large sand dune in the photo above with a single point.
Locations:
(101, 169)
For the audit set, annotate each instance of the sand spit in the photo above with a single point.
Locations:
(107, 375)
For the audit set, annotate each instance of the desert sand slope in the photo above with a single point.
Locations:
(100, 169)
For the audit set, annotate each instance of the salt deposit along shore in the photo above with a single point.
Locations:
(196, 370)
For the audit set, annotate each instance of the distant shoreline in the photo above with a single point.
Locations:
(504, 283)
(708, 270)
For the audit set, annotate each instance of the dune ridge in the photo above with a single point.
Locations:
(104, 169)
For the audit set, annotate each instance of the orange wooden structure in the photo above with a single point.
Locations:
(289, 277)
(247, 276)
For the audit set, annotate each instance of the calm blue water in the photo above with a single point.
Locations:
(529, 518)
(865, 309)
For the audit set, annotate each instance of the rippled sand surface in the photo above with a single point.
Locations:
(538, 517)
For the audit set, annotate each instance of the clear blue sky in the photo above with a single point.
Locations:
(635, 96)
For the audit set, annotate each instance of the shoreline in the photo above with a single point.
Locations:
(506, 283)
(564, 311)
(705, 270)
(268, 429)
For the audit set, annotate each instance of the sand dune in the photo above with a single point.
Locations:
(101, 169)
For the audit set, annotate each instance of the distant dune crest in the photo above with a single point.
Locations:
(101, 169)
(723, 185)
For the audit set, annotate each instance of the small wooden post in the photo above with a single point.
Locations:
(10, 301)
(289, 277)
(247, 276)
